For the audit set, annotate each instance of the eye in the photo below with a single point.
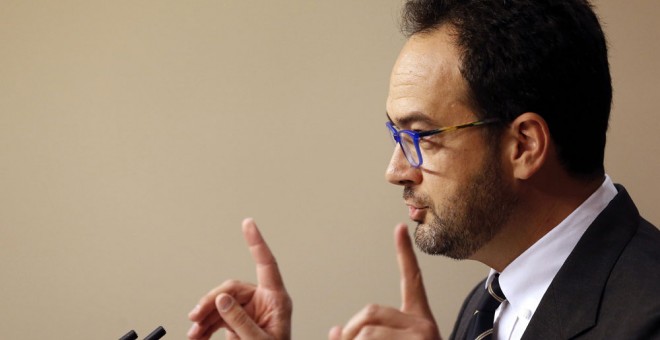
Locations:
(426, 143)
(430, 142)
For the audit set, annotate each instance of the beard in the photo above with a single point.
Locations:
(474, 215)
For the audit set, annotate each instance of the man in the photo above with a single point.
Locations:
(499, 109)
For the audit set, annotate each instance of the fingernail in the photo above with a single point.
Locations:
(193, 329)
(225, 303)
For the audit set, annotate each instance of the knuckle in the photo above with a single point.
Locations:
(230, 284)
(285, 299)
(367, 332)
(287, 305)
(371, 310)
(226, 286)
(429, 330)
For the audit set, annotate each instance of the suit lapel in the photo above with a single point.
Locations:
(467, 310)
(570, 305)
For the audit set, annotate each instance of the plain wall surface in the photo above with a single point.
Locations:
(135, 136)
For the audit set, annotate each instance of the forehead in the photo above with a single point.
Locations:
(426, 80)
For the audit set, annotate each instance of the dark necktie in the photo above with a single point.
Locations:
(481, 325)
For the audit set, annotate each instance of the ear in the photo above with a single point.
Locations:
(529, 144)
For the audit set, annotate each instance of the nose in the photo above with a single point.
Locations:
(400, 172)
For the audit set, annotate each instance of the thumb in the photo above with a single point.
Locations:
(237, 318)
(413, 293)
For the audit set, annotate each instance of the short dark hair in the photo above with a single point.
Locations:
(542, 56)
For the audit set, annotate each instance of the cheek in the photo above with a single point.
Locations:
(445, 167)
(445, 186)
(448, 158)
(440, 192)
(449, 171)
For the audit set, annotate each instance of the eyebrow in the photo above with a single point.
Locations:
(410, 118)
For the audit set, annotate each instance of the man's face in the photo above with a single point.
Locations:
(459, 196)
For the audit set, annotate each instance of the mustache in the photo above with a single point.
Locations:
(410, 195)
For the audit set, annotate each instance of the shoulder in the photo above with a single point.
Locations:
(636, 273)
(608, 286)
(630, 305)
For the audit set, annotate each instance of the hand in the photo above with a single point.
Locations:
(413, 320)
(247, 311)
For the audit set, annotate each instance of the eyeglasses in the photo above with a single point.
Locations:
(409, 140)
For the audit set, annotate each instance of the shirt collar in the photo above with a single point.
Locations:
(525, 280)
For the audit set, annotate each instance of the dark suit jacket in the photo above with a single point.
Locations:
(608, 288)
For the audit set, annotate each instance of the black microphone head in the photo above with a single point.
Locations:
(156, 334)
(129, 336)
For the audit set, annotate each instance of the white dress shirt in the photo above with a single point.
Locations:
(525, 280)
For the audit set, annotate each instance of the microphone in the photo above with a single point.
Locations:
(157, 333)
(129, 336)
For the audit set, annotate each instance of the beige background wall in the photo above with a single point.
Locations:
(135, 135)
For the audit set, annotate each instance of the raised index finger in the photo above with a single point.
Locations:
(268, 274)
(413, 294)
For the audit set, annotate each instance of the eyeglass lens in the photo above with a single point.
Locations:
(407, 142)
(409, 149)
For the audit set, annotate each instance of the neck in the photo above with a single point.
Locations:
(544, 203)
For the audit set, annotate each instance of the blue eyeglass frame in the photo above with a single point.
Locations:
(417, 135)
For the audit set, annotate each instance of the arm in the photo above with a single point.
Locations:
(247, 311)
(413, 320)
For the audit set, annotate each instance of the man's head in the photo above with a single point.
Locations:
(542, 56)
(539, 65)
(458, 195)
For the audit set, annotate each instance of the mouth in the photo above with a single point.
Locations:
(417, 213)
